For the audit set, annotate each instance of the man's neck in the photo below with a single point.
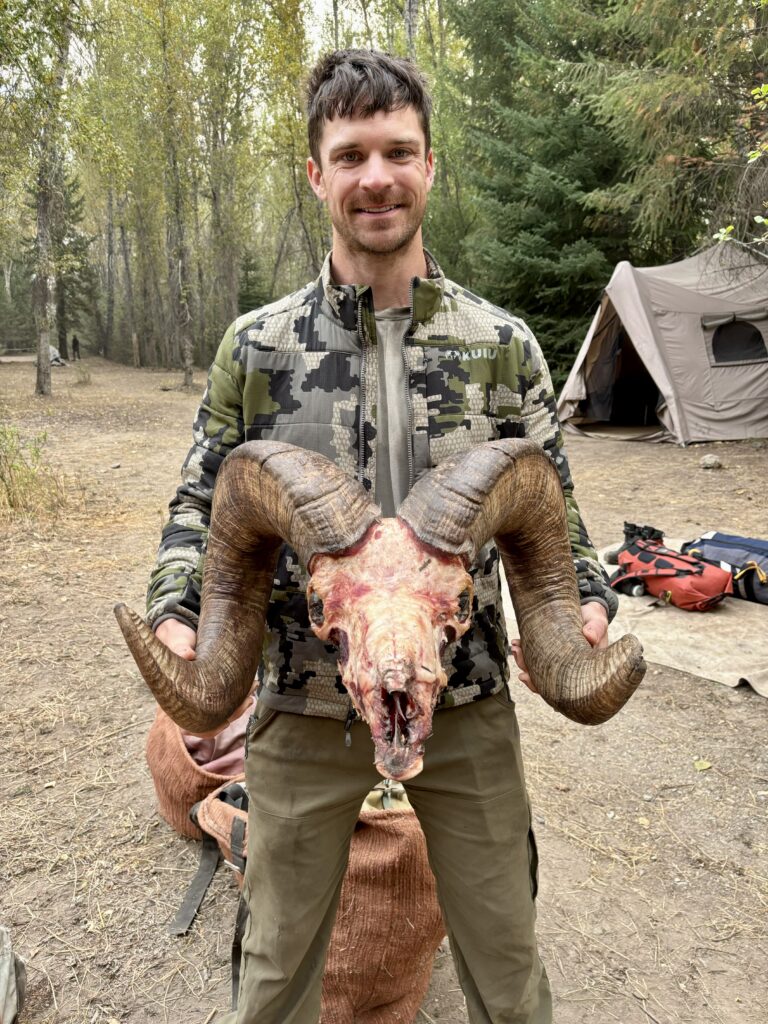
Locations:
(389, 275)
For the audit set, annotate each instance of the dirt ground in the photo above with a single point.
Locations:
(654, 872)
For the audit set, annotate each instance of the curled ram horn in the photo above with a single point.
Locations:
(511, 491)
(266, 493)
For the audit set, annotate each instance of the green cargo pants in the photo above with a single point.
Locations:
(305, 788)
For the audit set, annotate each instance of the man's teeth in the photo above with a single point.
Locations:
(378, 209)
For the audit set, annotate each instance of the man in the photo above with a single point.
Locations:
(385, 367)
(75, 347)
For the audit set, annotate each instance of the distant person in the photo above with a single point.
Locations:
(55, 355)
(75, 347)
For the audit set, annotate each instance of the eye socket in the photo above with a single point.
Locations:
(315, 605)
(339, 639)
(464, 606)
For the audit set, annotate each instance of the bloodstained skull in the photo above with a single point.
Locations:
(391, 606)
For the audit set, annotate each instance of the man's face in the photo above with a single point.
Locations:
(375, 176)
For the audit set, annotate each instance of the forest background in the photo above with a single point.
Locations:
(152, 182)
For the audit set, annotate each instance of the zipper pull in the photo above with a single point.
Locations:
(351, 717)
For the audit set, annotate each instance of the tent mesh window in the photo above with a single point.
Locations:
(736, 340)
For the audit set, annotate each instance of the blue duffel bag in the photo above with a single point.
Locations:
(747, 558)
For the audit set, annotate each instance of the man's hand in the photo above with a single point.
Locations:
(182, 640)
(179, 637)
(595, 629)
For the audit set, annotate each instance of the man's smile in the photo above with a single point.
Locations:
(378, 210)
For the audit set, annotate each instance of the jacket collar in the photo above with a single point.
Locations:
(343, 299)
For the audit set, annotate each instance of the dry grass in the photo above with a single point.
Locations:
(29, 485)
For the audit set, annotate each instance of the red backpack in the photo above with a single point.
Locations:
(670, 576)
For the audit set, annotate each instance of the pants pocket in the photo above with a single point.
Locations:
(533, 856)
(504, 698)
(257, 723)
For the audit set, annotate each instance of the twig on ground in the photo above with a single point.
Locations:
(643, 1007)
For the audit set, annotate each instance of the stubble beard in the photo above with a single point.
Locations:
(357, 244)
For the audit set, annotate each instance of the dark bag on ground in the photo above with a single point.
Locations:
(746, 558)
(671, 577)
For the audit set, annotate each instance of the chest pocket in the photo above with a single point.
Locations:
(463, 388)
(310, 399)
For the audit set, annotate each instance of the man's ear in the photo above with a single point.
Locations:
(315, 175)
(430, 169)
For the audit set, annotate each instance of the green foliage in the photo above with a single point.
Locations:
(17, 329)
(75, 274)
(252, 293)
(543, 248)
(28, 485)
(673, 95)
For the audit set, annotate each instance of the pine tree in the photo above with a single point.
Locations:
(674, 92)
(75, 277)
(542, 250)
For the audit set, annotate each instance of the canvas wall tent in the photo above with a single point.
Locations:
(680, 349)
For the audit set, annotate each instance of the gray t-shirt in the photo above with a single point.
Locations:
(392, 414)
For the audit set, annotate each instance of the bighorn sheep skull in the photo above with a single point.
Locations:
(389, 593)
(390, 608)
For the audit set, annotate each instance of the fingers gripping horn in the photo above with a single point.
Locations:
(510, 490)
(266, 493)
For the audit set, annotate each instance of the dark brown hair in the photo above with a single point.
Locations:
(359, 83)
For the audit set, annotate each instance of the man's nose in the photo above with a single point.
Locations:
(377, 174)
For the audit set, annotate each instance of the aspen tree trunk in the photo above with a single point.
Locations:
(109, 324)
(311, 250)
(150, 318)
(45, 289)
(45, 306)
(61, 318)
(135, 352)
(202, 348)
(411, 14)
(178, 267)
(226, 252)
(441, 30)
(178, 255)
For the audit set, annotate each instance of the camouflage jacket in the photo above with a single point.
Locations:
(304, 370)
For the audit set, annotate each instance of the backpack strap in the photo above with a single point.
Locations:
(237, 947)
(238, 840)
(752, 567)
(206, 869)
(233, 795)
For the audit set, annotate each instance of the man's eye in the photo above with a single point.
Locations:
(400, 154)
(349, 158)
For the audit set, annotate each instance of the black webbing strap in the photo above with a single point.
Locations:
(237, 948)
(206, 869)
(237, 842)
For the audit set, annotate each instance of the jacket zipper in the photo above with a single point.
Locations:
(408, 402)
(361, 437)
